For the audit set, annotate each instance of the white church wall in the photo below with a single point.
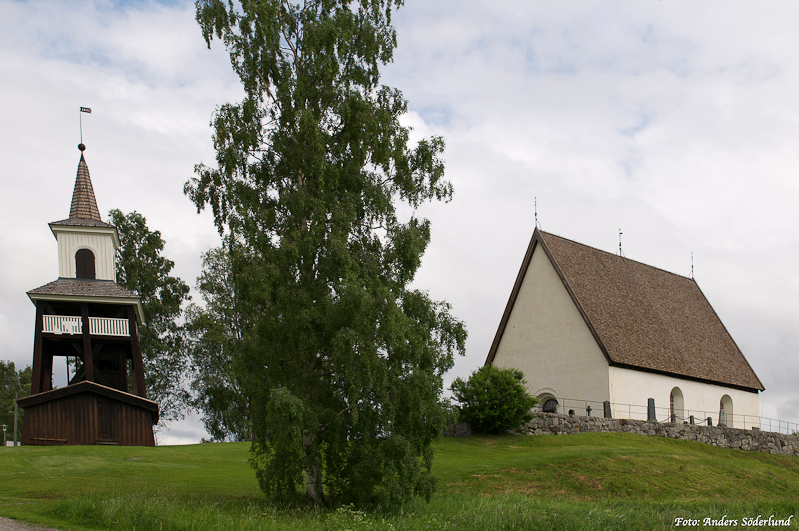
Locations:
(631, 387)
(547, 338)
(98, 241)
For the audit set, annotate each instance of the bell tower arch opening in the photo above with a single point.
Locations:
(84, 264)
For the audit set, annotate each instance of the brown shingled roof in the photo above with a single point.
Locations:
(641, 316)
(81, 222)
(82, 287)
(84, 204)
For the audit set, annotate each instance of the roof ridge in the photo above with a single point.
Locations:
(617, 256)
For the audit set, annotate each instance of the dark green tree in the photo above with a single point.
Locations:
(493, 400)
(13, 383)
(343, 361)
(216, 336)
(141, 268)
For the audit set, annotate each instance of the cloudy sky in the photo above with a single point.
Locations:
(674, 122)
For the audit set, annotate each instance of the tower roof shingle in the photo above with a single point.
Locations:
(84, 204)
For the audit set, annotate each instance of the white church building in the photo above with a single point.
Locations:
(588, 327)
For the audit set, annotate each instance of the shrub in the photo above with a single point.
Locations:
(493, 400)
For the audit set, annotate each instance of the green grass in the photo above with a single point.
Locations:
(614, 466)
(589, 481)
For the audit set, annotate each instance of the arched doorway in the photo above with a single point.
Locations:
(676, 406)
(725, 411)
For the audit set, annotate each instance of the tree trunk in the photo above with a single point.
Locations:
(313, 470)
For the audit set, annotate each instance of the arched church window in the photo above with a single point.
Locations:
(84, 264)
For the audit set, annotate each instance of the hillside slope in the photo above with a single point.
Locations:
(485, 482)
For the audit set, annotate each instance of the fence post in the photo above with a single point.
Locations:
(606, 407)
(710, 421)
(691, 419)
(650, 410)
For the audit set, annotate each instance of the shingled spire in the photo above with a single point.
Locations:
(84, 205)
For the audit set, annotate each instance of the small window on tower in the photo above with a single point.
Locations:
(84, 264)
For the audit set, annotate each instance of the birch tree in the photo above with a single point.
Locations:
(344, 360)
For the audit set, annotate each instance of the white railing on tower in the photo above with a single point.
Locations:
(62, 324)
(107, 326)
(98, 326)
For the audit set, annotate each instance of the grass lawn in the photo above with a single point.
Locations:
(588, 481)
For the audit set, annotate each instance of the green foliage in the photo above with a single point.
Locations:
(215, 333)
(310, 167)
(13, 383)
(493, 400)
(141, 268)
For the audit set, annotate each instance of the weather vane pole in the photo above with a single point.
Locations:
(620, 251)
(80, 118)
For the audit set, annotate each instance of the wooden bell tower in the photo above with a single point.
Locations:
(86, 315)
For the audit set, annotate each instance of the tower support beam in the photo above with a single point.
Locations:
(137, 378)
(36, 381)
(88, 358)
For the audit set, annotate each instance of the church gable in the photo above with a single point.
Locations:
(643, 317)
(546, 337)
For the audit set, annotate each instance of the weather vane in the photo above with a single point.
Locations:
(80, 118)
(535, 203)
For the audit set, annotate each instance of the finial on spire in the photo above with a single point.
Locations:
(81, 147)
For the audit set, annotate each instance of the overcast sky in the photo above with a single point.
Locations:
(676, 122)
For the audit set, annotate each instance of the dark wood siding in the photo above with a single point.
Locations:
(87, 418)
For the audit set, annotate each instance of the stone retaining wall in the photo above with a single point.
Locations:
(553, 424)
(756, 440)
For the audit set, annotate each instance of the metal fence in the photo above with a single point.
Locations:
(573, 406)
